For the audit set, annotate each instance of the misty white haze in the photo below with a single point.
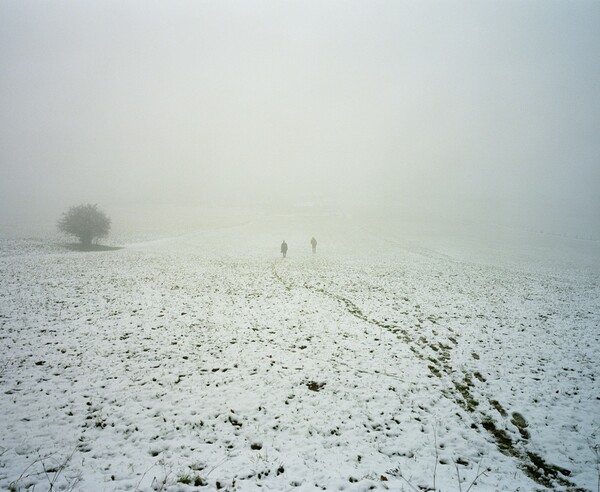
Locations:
(478, 111)
(299, 245)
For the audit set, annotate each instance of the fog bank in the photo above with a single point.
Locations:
(483, 111)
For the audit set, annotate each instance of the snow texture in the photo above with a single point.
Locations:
(206, 361)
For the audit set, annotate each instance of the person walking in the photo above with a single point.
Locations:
(284, 248)
(313, 243)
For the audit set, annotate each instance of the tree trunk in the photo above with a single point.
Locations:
(86, 241)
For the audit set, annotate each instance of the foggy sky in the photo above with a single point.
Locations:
(481, 110)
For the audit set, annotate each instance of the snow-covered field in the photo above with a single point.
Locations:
(206, 361)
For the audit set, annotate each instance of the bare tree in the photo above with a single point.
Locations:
(85, 222)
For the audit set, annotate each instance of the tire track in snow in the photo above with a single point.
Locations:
(533, 465)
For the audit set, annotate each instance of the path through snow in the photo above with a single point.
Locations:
(206, 359)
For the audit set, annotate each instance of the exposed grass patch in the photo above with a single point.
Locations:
(498, 407)
(518, 420)
(314, 386)
(470, 403)
(520, 423)
(186, 479)
(549, 469)
(547, 474)
(195, 480)
(533, 465)
(503, 440)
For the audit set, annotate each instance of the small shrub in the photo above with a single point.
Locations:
(85, 222)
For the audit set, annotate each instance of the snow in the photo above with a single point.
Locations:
(378, 363)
